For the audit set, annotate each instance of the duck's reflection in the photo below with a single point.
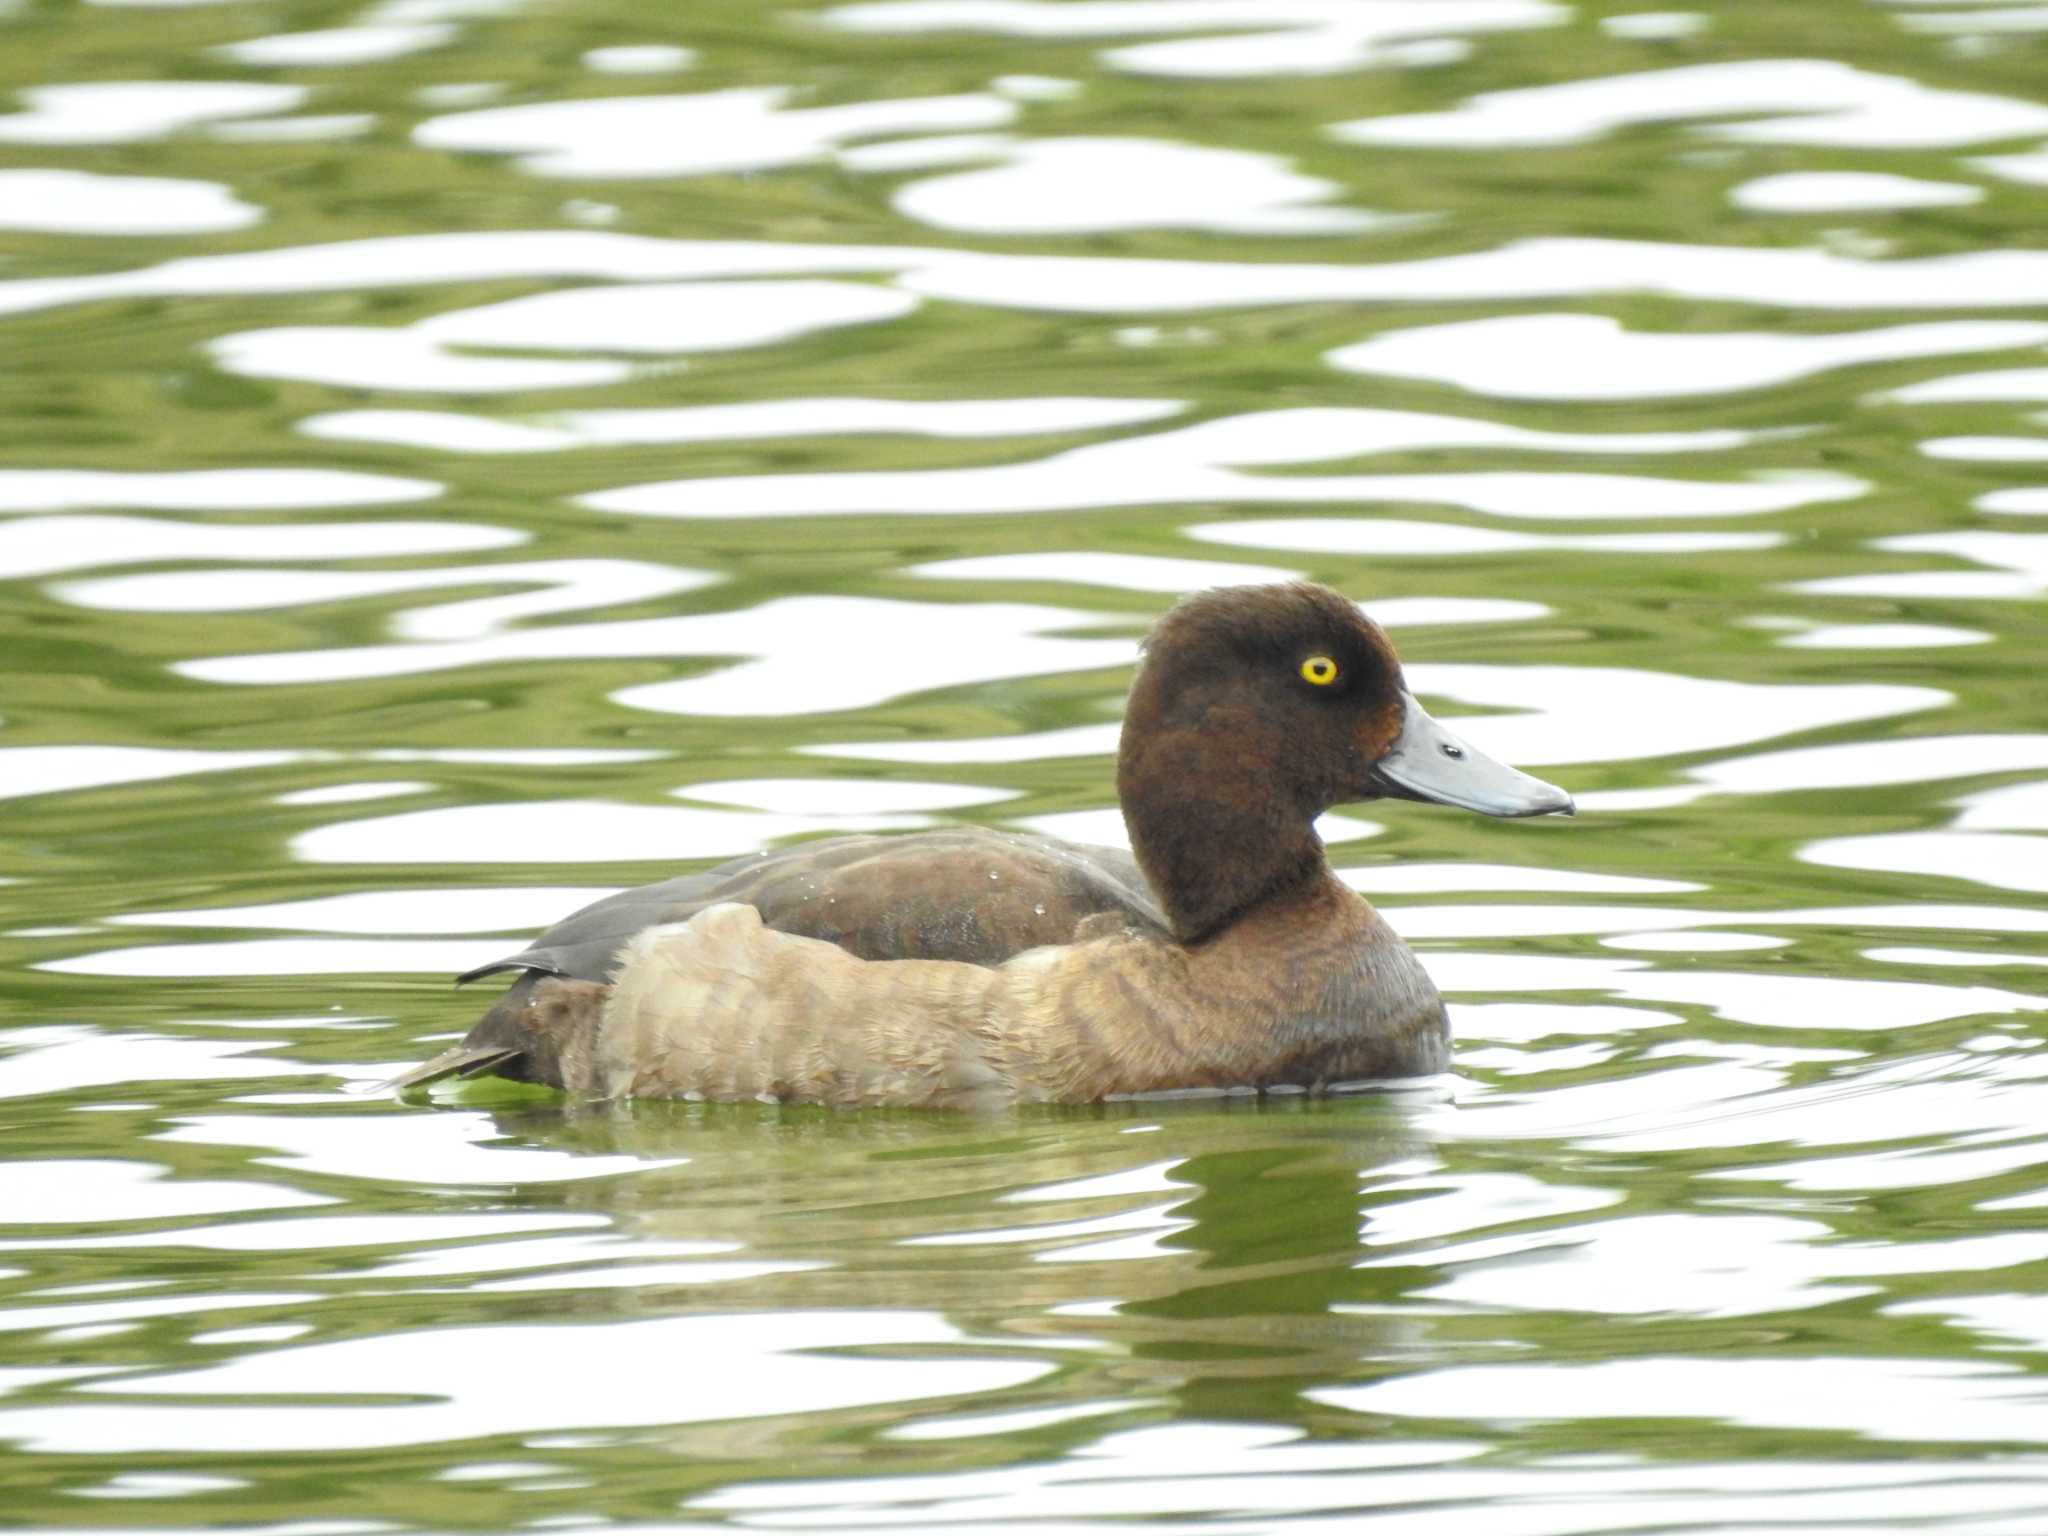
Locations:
(1197, 1256)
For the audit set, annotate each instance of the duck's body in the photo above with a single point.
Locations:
(969, 967)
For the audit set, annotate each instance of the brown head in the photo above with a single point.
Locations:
(1255, 710)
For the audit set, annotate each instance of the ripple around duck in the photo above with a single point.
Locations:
(484, 1380)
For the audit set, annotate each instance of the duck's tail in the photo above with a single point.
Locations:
(540, 1031)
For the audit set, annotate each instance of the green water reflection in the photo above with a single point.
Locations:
(1774, 1159)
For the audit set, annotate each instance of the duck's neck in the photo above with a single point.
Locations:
(1216, 845)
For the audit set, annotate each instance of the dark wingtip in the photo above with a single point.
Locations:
(525, 960)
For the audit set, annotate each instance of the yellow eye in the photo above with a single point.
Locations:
(1319, 670)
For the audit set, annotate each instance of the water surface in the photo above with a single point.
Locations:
(459, 458)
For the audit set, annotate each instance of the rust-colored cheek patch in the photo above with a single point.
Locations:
(1382, 725)
(1387, 710)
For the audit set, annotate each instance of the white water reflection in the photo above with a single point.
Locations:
(283, 957)
(2017, 805)
(338, 46)
(328, 1231)
(2023, 556)
(1906, 1400)
(1692, 943)
(452, 432)
(2009, 861)
(2020, 384)
(1882, 637)
(130, 111)
(2028, 169)
(1037, 87)
(62, 1058)
(196, 490)
(1783, 101)
(1160, 573)
(157, 1485)
(639, 59)
(566, 586)
(843, 797)
(1536, 268)
(1591, 357)
(463, 1382)
(1032, 747)
(1210, 462)
(1985, 19)
(2010, 450)
(1656, 26)
(1086, 185)
(1795, 1002)
(1531, 268)
(28, 770)
(1858, 765)
(83, 203)
(1416, 879)
(2027, 501)
(636, 1276)
(746, 129)
(1876, 1172)
(13, 1319)
(1698, 1265)
(2005, 1318)
(78, 1192)
(1849, 192)
(1968, 959)
(598, 1247)
(1262, 37)
(1448, 920)
(527, 757)
(1137, 573)
(45, 546)
(1397, 537)
(440, 1149)
(1932, 916)
(649, 319)
(555, 832)
(1903, 1112)
(667, 317)
(973, 1426)
(1612, 714)
(805, 654)
(1186, 1479)
(435, 909)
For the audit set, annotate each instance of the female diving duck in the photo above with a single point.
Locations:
(970, 967)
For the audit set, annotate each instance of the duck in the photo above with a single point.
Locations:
(972, 968)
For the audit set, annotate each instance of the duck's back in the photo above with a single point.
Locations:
(963, 893)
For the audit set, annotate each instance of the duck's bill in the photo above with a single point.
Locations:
(1428, 762)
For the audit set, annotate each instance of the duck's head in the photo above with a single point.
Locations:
(1255, 710)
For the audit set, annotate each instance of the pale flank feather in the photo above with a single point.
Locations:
(725, 1008)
